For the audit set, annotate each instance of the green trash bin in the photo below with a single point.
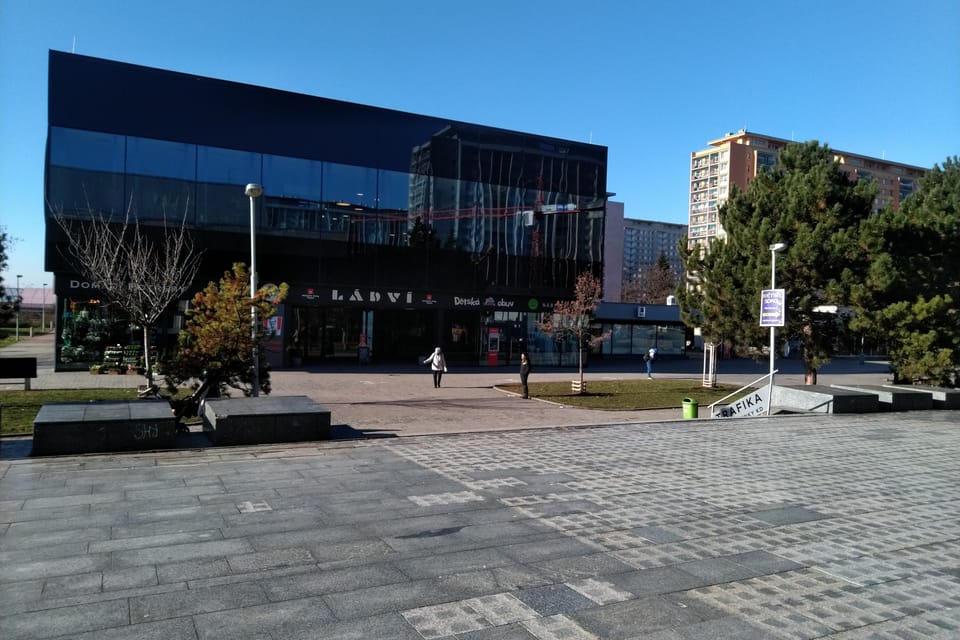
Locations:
(691, 409)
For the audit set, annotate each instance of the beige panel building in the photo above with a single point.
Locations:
(737, 157)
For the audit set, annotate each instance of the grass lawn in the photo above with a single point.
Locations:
(21, 407)
(620, 395)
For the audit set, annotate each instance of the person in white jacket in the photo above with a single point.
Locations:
(438, 364)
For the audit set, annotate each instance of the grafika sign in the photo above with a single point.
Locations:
(754, 403)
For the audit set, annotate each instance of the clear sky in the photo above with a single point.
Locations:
(652, 81)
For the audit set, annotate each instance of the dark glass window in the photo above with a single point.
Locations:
(222, 173)
(79, 149)
(75, 192)
(161, 158)
(162, 199)
(394, 191)
(227, 166)
(292, 178)
(346, 183)
(223, 205)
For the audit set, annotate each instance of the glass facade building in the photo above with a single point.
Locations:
(396, 232)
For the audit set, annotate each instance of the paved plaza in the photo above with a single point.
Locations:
(468, 513)
(843, 527)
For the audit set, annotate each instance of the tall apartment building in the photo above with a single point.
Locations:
(737, 157)
(645, 240)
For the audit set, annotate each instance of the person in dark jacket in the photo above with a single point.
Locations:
(524, 373)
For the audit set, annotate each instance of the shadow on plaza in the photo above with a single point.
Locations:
(19, 447)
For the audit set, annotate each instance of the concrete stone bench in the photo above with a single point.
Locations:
(943, 398)
(816, 398)
(264, 420)
(892, 398)
(62, 428)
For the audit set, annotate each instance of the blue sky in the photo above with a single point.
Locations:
(652, 81)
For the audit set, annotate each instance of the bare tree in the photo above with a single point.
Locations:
(651, 284)
(574, 318)
(136, 272)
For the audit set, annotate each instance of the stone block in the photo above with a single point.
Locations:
(93, 427)
(943, 398)
(817, 398)
(894, 398)
(264, 420)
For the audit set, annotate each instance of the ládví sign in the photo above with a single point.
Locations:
(755, 403)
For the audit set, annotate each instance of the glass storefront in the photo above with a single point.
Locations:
(355, 199)
(637, 339)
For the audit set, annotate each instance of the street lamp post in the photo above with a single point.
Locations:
(774, 248)
(43, 308)
(19, 301)
(254, 191)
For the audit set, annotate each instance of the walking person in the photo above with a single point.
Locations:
(438, 364)
(524, 373)
(649, 357)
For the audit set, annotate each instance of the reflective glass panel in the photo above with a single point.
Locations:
(353, 185)
(394, 190)
(86, 149)
(228, 166)
(161, 158)
(162, 199)
(75, 192)
(285, 177)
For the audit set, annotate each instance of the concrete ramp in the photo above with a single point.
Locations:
(816, 398)
(894, 399)
(943, 398)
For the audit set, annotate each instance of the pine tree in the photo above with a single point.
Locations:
(809, 203)
(217, 342)
(912, 290)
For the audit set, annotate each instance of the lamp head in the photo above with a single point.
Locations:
(253, 190)
(779, 246)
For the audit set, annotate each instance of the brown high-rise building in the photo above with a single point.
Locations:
(737, 157)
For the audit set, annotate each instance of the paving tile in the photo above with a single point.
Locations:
(175, 629)
(65, 620)
(195, 601)
(129, 578)
(447, 619)
(501, 608)
(372, 601)
(649, 582)
(558, 627)
(514, 631)
(787, 515)
(315, 583)
(180, 552)
(280, 620)
(62, 566)
(455, 562)
(554, 599)
(390, 626)
(269, 560)
(63, 586)
(573, 567)
(191, 570)
(622, 620)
